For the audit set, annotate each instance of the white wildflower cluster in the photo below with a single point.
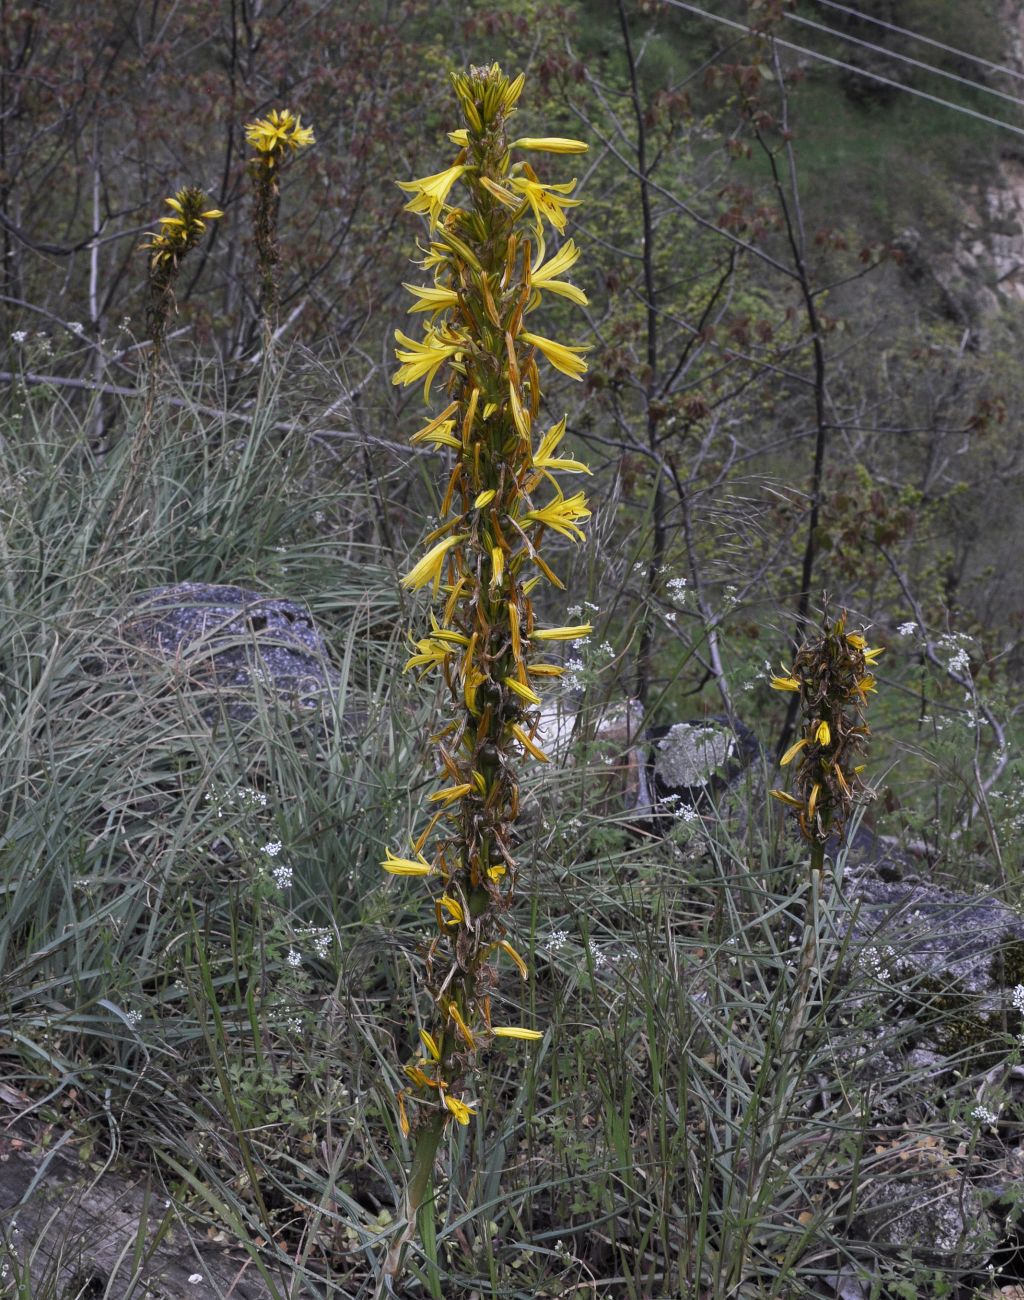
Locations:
(273, 848)
(956, 646)
(321, 940)
(134, 1018)
(678, 807)
(294, 958)
(877, 962)
(19, 336)
(1017, 997)
(572, 678)
(556, 939)
(598, 957)
(906, 629)
(1012, 801)
(76, 327)
(677, 592)
(246, 799)
(983, 1115)
(282, 876)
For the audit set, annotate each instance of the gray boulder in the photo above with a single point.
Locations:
(972, 942)
(692, 764)
(232, 643)
(919, 1204)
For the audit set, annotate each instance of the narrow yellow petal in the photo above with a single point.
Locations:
(528, 744)
(430, 1044)
(792, 752)
(812, 802)
(524, 692)
(562, 356)
(461, 1025)
(458, 1108)
(406, 866)
(507, 948)
(562, 633)
(428, 569)
(450, 794)
(497, 566)
(549, 144)
(453, 907)
(514, 1031)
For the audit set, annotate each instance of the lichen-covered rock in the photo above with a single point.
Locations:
(973, 943)
(917, 1203)
(71, 1233)
(233, 642)
(690, 762)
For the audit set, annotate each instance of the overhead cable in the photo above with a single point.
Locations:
(904, 58)
(925, 40)
(849, 67)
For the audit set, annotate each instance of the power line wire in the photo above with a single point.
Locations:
(904, 58)
(849, 67)
(925, 40)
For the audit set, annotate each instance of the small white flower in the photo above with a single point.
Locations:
(556, 939)
(273, 848)
(596, 955)
(983, 1115)
(19, 336)
(294, 958)
(134, 1018)
(1018, 998)
(321, 941)
(318, 516)
(76, 327)
(906, 629)
(194, 1279)
(282, 876)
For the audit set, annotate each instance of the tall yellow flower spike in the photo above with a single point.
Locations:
(274, 138)
(489, 270)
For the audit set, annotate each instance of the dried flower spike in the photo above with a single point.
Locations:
(830, 672)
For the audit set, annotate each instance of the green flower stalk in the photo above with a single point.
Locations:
(274, 138)
(832, 675)
(491, 270)
(179, 233)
